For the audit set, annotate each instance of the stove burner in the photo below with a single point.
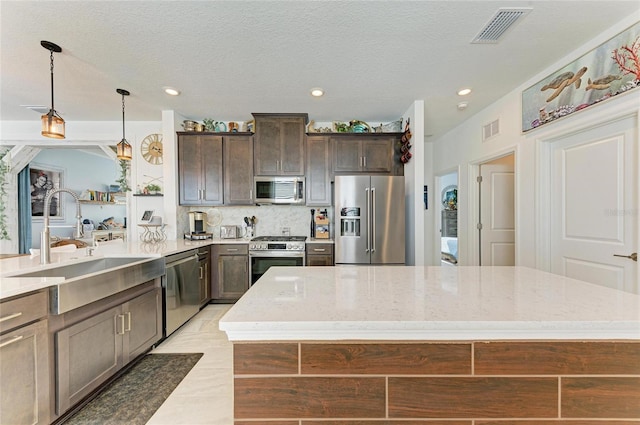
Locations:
(279, 239)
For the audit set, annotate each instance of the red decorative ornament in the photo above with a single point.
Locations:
(405, 148)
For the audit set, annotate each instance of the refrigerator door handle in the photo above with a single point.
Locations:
(373, 219)
(368, 219)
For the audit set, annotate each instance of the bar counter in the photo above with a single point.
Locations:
(386, 345)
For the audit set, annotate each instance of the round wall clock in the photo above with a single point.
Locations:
(151, 149)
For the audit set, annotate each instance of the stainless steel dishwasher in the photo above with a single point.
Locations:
(181, 290)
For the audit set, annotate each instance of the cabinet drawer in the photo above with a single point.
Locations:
(233, 249)
(22, 310)
(319, 249)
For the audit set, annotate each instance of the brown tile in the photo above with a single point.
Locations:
(558, 422)
(473, 397)
(595, 397)
(263, 359)
(390, 359)
(309, 397)
(266, 423)
(571, 358)
(390, 422)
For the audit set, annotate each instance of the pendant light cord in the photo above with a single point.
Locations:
(52, 107)
(123, 138)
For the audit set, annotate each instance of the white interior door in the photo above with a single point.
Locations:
(497, 213)
(594, 205)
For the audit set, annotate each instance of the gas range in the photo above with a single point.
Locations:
(277, 243)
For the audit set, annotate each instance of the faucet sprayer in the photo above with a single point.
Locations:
(45, 241)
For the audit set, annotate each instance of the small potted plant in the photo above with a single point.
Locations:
(153, 189)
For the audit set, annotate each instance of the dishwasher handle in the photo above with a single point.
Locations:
(184, 260)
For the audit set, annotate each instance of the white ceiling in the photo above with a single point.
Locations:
(231, 58)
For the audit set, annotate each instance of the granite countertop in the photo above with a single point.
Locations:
(428, 303)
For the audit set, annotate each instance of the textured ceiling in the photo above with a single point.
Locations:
(231, 58)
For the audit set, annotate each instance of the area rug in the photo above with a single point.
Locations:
(136, 395)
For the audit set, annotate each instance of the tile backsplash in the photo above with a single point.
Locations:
(270, 219)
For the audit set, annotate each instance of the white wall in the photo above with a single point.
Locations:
(463, 147)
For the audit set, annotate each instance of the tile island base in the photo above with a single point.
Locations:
(512, 380)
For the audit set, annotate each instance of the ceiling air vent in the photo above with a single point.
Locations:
(499, 24)
(490, 130)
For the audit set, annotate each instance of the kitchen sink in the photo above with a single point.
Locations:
(97, 279)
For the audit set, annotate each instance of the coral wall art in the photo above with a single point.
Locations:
(606, 71)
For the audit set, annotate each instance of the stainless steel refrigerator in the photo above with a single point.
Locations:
(369, 213)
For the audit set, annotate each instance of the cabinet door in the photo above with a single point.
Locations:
(238, 170)
(88, 353)
(318, 171)
(377, 155)
(204, 282)
(267, 147)
(189, 170)
(24, 375)
(233, 276)
(347, 155)
(211, 160)
(143, 323)
(292, 146)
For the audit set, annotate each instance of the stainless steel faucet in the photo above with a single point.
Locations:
(45, 239)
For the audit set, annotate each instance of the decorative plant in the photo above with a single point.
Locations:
(628, 58)
(123, 180)
(152, 187)
(5, 167)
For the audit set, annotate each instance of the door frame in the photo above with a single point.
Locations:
(437, 208)
(473, 216)
(544, 163)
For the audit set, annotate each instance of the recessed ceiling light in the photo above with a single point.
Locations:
(317, 92)
(464, 92)
(171, 91)
(463, 105)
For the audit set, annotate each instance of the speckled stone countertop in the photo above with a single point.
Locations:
(428, 303)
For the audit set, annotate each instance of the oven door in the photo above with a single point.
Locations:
(261, 261)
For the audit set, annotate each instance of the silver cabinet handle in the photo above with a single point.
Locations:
(11, 316)
(128, 328)
(11, 341)
(319, 249)
(633, 256)
(201, 272)
(364, 161)
(232, 249)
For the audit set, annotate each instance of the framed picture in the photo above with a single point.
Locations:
(450, 197)
(45, 178)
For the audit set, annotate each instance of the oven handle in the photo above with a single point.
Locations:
(285, 254)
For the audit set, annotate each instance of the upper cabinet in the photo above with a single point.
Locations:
(318, 184)
(279, 148)
(200, 169)
(365, 153)
(238, 170)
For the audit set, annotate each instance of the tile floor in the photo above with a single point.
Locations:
(205, 395)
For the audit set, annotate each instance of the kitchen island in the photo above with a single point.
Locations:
(390, 344)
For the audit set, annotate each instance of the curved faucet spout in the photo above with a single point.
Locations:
(45, 240)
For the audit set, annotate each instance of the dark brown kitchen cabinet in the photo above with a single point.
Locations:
(365, 153)
(230, 264)
(24, 360)
(319, 254)
(318, 176)
(200, 171)
(93, 349)
(279, 144)
(238, 170)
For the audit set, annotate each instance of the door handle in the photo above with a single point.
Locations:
(373, 219)
(128, 327)
(368, 220)
(633, 256)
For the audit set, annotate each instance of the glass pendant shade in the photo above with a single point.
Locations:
(123, 150)
(52, 125)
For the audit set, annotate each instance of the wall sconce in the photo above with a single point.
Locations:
(123, 149)
(52, 123)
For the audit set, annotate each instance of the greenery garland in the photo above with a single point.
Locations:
(5, 167)
(123, 180)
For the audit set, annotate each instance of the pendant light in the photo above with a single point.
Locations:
(52, 123)
(123, 149)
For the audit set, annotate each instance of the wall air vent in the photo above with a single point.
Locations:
(499, 23)
(490, 130)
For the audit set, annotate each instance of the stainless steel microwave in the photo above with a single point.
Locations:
(278, 190)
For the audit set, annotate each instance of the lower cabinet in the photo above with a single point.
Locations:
(230, 271)
(94, 349)
(319, 254)
(24, 375)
